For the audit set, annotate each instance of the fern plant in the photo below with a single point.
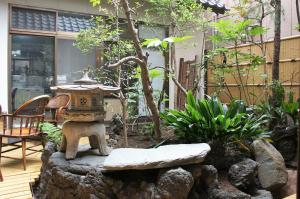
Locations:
(53, 133)
(207, 120)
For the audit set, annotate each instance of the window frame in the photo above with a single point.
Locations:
(57, 35)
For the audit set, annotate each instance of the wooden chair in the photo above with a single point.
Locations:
(56, 107)
(23, 124)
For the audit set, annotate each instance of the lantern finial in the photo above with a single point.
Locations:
(86, 80)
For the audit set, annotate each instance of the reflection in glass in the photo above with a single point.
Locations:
(32, 67)
(71, 61)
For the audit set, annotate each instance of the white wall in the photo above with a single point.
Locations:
(187, 50)
(81, 6)
(4, 54)
(288, 19)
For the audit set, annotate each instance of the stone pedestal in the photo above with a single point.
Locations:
(73, 131)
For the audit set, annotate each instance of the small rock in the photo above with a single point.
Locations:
(215, 193)
(195, 170)
(49, 149)
(262, 194)
(209, 176)
(175, 184)
(242, 175)
(137, 190)
(272, 172)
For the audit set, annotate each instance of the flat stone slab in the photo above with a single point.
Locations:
(161, 157)
(86, 160)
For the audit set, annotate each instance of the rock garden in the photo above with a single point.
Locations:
(230, 144)
(242, 164)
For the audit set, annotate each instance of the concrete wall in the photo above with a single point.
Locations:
(81, 6)
(4, 54)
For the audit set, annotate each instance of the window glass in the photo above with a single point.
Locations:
(71, 61)
(155, 59)
(32, 67)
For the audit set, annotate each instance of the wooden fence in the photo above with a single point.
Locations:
(258, 80)
(186, 77)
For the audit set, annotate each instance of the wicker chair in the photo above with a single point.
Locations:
(23, 124)
(55, 108)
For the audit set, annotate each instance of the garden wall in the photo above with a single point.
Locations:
(257, 82)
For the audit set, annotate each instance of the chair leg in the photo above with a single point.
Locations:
(0, 148)
(1, 177)
(24, 153)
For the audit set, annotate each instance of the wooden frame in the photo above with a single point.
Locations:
(56, 35)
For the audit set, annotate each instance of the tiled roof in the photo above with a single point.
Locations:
(216, 5)
(32, 19)
(68, 22)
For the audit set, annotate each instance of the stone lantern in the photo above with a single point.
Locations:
(85, 116)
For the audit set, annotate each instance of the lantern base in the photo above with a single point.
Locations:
(73, 131)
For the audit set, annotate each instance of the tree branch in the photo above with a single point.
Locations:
(125, 60)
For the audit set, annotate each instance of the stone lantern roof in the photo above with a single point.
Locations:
(85, 84)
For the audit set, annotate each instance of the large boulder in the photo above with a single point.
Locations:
(285, 141)
(223, 156)
(243, 174)
(161, 157)
(84, 177)
(272, 172)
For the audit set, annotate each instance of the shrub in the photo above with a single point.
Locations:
(53, 133)
(277, 114)
(207, 120)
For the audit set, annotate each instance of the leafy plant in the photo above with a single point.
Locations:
(53, 133)
(278, 93)
(208, 119)
(234, 62)
(277, 114)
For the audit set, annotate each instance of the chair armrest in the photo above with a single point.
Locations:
(6, 114)
(60, 111)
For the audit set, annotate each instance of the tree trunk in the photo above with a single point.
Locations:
(276, 51)
(165, 83)
(124, 104)
(147, 88)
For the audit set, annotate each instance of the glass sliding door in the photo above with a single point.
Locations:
(71, 62)
(32, 67)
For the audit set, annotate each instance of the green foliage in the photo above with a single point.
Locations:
(153, 73)
(232, 61)
(208, 119)
(165, 43)
(95, 36)
(276, 114)
(183, 15)
(95, 2)
(53, 133)
(278, 92)
(291, 107)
